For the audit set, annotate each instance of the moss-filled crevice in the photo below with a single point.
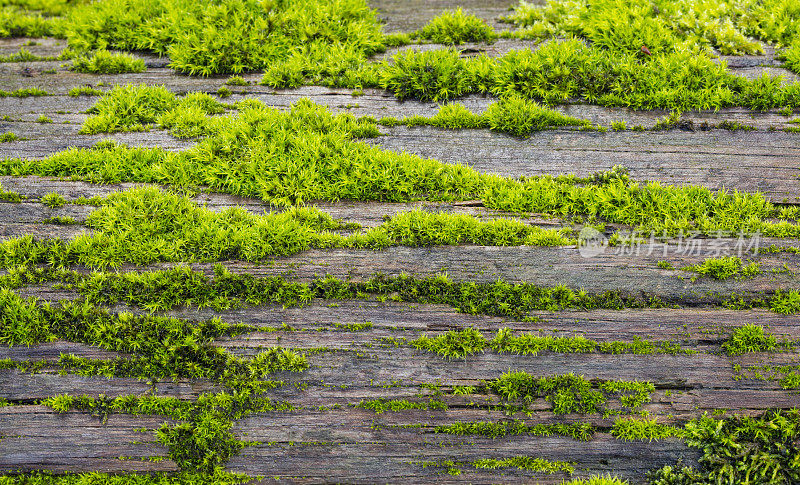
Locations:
(469, 341)
(265, 153)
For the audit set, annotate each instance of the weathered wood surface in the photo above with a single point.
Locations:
(327, 439)
(767, 162)
(36, 437)
(400, 461)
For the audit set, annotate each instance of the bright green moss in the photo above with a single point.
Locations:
(521, 117)
(145, 225)
(576, 431)
(469, 341)
(17, 22)
(201, 441)
(750, 338)
(565, 70)
(570, 393)
(24, 55)
(634, 429)
(237, 156)
(7, 196)
(664, 26)
(516, 116)
(24, 93)
(379, 406)
(206, 38)
(456, 27)
(791, 57)
(453, 344)
(53, 200)
(105, 62)
(98, 478)
(8, 137)
(726, 267)
(740, 450)
(85, 91)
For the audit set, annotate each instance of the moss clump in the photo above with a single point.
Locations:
(207, 38)
(516, 116)
(752, 338)
(740, 450)
(8, 196)
(24, 93)
(85, 91)
(104, 62)
(456, 27)
(521, 117)
(48, 478)
(726, 267)
(454, 344)
(201, 441)
(669, 26)
(8, 137)
(569, 393)
(236, 156)
(53, 200)
(527, 463)
(469, 341)
(379, 406)
(160, 347)
(576, 431)
(567, 70)
(634, 429)
(145, 225)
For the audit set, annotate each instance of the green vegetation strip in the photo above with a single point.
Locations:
(146, 225)
(527, 463)
(469, 341)
(266, 153)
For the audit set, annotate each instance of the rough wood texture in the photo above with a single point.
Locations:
(326, 439)
(35, 437)
(746, 161)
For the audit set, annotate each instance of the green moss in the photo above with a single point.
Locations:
(379, 406)
(60, 221)
(236, 157)
(8, 137)
(144, 225)
(726, 267)
(569, 393)
(568, 70)
(516, 116)
(469, 341)
(456, 27)
(85, 91)
(128, 108)
(752, 338)
(576, 431)
(53, 200)
(735, 126)
(24, 55)
(91, 478)
(8, 196)
(669, 26)
(105, 62)
(236, 81)
(201, 441)
(521, 117)
(528, 463)
(635, 429)
(24, 93)
(453, 344)
(788, 376)
(740, 450)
